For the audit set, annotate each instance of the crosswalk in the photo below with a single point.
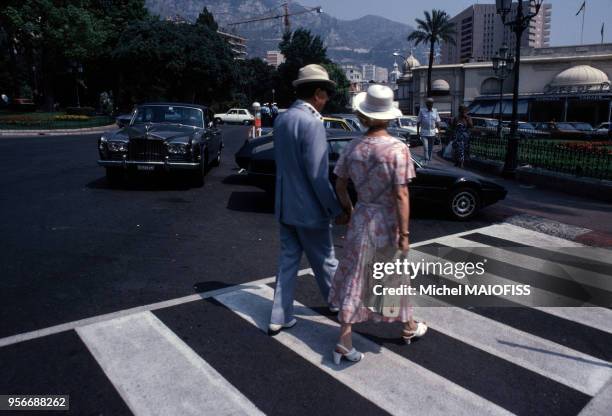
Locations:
(209, 354)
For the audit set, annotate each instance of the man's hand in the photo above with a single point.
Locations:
(343, 219)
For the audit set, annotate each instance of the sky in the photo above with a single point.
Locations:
(565, 24)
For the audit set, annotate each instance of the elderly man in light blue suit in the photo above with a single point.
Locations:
(305, 200)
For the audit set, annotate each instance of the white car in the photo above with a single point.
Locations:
(235, 115)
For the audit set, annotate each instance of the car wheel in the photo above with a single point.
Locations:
(114, 176)
(246, 122)
(200, 173)
(217, 160)
(218, 121)
(463, 203)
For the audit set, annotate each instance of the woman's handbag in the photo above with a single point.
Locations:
(385, 304)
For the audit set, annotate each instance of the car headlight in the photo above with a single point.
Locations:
(117, 146)
(102, 143)
(177, 148)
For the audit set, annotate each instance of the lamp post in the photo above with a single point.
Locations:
(502, 66)
(517, 22)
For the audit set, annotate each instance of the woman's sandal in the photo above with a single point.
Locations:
(421, 329)
(352, 355)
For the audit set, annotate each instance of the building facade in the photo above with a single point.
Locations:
(570, 83)
(274, 58)
(238, 44)
(480, 32)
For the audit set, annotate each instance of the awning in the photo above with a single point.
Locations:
(491, 108)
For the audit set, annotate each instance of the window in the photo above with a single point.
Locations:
(242, 112)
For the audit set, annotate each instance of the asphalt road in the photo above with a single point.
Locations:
(74, 247)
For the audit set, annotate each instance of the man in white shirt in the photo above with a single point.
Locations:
(427, 127)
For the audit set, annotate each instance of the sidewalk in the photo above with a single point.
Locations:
(56, 132)
(589, 221)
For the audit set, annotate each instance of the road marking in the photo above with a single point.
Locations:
(390, 381)
(156, 373)
(39, 333)
(564, 365)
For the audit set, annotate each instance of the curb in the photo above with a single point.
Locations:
(56, 132)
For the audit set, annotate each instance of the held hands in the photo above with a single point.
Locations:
(345, 217)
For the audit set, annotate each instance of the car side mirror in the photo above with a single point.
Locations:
(210, 124)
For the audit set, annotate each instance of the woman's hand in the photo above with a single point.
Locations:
(403, 244)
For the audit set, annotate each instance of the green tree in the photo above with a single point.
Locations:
(255, 82)
(164, 60)
(51, 35)
(207, 19)
(301, 48)
(434, 29)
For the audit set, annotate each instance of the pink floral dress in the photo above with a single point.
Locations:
(375, 165)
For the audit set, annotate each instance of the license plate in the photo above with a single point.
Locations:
(145, 167)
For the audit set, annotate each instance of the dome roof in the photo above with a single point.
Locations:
(440, 85)
(580, 75)
(410, 62)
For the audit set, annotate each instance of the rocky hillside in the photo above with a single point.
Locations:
(370, 39)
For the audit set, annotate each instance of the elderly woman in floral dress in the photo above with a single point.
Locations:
(380, 167)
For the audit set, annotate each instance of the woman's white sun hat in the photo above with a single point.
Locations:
(313, 73)
(377, 103)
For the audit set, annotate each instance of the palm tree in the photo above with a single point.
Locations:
(434, 29)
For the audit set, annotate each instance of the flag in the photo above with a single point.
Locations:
(581, 8)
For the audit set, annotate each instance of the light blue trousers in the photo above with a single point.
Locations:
(428, 145)
(318, 245)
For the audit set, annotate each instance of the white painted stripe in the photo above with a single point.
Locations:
(601, 404)
(392, 382)
(564, 365)
(550, 268)
(537, 297)
(39, 333)
(158, 374)
(595, 317)
(545, 241)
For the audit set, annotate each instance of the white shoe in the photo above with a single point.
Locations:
(352, 355)
(274, 329)
(417, 333)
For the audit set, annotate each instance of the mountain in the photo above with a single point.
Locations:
(369, 39)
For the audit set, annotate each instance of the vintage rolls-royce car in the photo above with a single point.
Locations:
(163, 136)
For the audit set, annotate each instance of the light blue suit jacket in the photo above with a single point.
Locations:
(304, 195)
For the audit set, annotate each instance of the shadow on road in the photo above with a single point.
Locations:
(257, 202)
(144, 182)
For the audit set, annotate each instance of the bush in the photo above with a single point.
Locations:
(81, 111)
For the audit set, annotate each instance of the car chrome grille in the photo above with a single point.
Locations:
(146, 150)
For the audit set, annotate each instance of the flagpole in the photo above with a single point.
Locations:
(582, 31)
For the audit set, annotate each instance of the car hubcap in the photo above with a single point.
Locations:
(464, 203)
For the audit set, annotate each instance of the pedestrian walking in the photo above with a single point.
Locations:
(380, 167)
(305, 201)
(427, 127)
(461, 137)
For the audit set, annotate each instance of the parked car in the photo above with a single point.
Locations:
(235, 116)
(123, 120)
(352, 120)
(526, 130)
(405, 127)
(604, 130)
(163, 136)
(484, 126)
(585, 128)
(461, 193)
(561, 130)
(336, 124)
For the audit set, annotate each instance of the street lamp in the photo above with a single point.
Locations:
(502, 66)
(517, 22)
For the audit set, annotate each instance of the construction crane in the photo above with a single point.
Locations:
(284, 15)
